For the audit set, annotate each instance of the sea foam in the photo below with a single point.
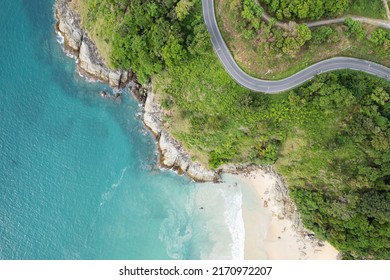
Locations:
(234, 220)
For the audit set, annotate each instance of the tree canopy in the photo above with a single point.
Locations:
(149, 35)
(306, 9)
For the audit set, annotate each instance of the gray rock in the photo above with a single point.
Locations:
(80, 44)
(114, 78)
(169, 150)
(124, 77)
(200, 173)
(173, 154)
(152, 114)
(69, 25)
(90, 62)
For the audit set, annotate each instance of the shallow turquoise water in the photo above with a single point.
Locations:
(78, 174)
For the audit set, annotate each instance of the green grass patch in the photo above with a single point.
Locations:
(364, 8)
(100, 24)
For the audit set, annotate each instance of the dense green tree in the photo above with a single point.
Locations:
(306, 9)
(252, 11)
(173, 51)
(201, 41)
(183, 8)
(381, 39)
(148, 35)
(342, 186)
(321, 35)
(354, 28)
(379, 36)
(295, 39)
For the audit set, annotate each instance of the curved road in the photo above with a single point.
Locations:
(277, 86)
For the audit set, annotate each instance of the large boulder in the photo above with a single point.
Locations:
(114, 78)
(200, 173)
(169, 151)
(88, 61)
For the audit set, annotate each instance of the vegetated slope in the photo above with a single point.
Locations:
(337, 163)
(329, 137)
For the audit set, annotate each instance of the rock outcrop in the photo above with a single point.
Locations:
(173, 154)
(78, 42)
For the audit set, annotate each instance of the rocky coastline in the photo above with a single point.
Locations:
(172, 154)
(79, 44)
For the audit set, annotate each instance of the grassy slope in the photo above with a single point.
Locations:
(256, 57)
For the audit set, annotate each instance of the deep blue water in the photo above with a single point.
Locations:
(78, 174)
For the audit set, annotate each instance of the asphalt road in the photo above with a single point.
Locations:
(277, 86)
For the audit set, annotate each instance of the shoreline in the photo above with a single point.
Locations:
(264, 193)
(273, 229)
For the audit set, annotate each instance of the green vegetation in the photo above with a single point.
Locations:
(252, 12)
(330, 138)
(306, 9)
(371, 9)
(338, 165)
(272, 52)
(381, 40)
(293, 40)
(316, 9)
(146, 35)
(354, 28)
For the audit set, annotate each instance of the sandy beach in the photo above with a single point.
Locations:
(269, 234)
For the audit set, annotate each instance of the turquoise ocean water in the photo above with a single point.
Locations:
(78, 174)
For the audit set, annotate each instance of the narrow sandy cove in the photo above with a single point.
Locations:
(268, 234)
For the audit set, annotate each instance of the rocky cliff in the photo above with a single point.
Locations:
(78, 42)
(172, 153)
